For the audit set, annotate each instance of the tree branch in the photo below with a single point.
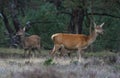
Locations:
(30, 23)
(104, 14)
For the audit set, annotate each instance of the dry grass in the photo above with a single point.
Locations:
(94, 66)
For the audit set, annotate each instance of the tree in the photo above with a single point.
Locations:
(85, 12)
(11, 8)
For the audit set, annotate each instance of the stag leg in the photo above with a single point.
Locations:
(56, 48)
(62, 51)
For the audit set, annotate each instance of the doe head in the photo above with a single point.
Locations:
(98, 28)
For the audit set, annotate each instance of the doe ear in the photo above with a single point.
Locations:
(24, 29)
(94, 24)
(102, 24)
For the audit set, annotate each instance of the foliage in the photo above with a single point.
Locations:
(48, 62)
(48, 22)
(3, 39)
(72, 3)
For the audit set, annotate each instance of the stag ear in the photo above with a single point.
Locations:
(101, 24)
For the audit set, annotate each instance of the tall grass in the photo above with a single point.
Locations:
(94, 66)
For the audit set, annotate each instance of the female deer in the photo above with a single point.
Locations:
(75, 41)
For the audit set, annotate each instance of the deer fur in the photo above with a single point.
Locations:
(29, 43)
(75, 41)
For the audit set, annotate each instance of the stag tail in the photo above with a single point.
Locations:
(53, 36)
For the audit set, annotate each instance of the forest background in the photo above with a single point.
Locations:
(46, 17)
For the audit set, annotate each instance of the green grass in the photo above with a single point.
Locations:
(11, 50)
(18, 51)
(46, 52)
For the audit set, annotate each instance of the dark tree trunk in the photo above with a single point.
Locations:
(5, 20)
(14, 7)
(77, 16)
(57, 3)
(14, 12)
(80, 20)
(76, 21)
(71, 27)
(9, 29)
(20, 5)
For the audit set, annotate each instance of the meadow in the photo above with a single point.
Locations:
(103, 64)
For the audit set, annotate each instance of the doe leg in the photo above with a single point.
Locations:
(56, 48)
(79, 55)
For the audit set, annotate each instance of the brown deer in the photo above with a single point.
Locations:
(30, 43)
(75, 41)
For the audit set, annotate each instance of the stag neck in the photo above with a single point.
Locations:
(92, 37)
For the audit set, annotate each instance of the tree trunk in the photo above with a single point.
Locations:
(9, 29)
(14, 11)
(80, 21)
(76, 21)
(57, 3)
(5, 20)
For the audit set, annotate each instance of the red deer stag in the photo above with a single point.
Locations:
(29, 43)
(75, 41)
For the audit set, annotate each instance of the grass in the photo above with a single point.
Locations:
(18, 51)
(45, 68)
(99, 54)
(46, 52)
(11, 50)
(116, 67)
